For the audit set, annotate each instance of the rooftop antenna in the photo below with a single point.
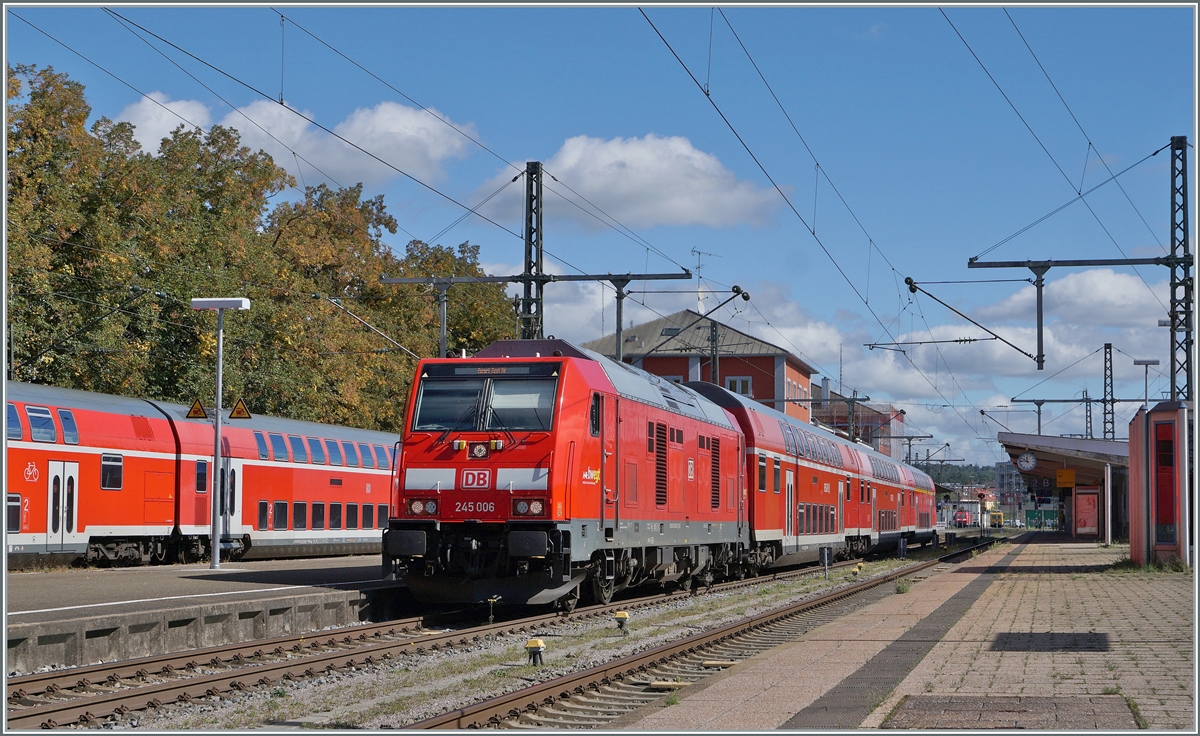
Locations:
(699, 295)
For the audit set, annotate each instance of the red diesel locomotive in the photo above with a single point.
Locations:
(538, 471)
(122, 480)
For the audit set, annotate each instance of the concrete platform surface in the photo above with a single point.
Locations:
(1055, 620)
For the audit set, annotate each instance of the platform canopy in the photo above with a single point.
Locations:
(1086, 457)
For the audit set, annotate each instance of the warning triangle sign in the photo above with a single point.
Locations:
(239, 411)
(197, 411)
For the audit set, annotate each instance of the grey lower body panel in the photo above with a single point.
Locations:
(533, 589)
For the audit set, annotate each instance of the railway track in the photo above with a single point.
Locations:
(85, 695)
(594, 697)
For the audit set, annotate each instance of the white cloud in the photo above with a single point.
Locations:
(645, 182)
(1093, 297)
(405, 137)
(154, 119)
(408, 138)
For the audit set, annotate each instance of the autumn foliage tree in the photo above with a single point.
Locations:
(107, 245)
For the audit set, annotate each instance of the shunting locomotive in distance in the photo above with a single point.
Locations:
(542, 472)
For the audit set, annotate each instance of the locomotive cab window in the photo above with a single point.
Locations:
(13, 431)
(111, 467)
(70, 431)
(594, 418)
(482, 397)
(41, 424)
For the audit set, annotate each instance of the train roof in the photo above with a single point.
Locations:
(630, 382)
(73, 398)
(730, 400)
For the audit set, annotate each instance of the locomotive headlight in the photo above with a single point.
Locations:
(417, 506)
(523, 507)
(431, 507)
(535, 507)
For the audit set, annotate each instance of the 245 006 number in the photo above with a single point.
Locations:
(466, 507)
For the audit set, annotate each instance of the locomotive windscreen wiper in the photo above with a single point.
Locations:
(458, 423)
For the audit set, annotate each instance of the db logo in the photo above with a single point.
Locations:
(31, 472)
(480, 478)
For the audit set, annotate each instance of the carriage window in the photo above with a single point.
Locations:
(762, 473)
(70, 504)
(261, 441)
(278, 448)
(41, 424)
(351, 516)
(299, 515)
(381, 456)
(335, 516)
(365, 451)
(777, 483)
(299, 454)
(335, 452)
(111, 471)
(318, 452)
(383, 515)
(14, 423)
(281, 515)
(14, 511)
(351, 454)
(70, 431)
(318, 516)
(201, 476)
(368, 516)
(263, 513)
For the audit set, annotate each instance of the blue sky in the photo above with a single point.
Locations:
(932, 162)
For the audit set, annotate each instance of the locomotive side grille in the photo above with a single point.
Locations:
(660, 464)
(715, 444)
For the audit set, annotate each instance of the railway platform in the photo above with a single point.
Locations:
(1044, 633)
(82, 616)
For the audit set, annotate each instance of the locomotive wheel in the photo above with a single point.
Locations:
(602, 590)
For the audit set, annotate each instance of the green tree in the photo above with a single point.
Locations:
(108, 243)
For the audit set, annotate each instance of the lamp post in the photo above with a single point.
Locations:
(1147, 364)
(220, 305)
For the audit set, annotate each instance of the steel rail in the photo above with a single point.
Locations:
(491, 713)
(86, 693)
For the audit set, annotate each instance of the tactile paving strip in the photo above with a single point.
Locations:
(849, 702)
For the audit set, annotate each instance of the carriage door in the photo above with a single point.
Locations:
(609, 475)
(62, 522)
(790, 513)
(230, 496)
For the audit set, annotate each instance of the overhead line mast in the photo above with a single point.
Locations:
(534, 278)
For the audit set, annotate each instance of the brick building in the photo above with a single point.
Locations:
(670, 348)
